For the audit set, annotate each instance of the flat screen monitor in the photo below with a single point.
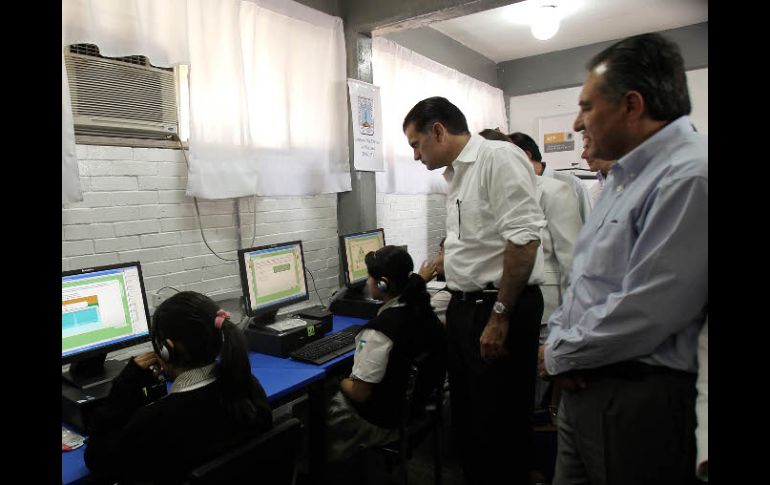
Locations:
(103, 309)
(354, 249)
(272, 277)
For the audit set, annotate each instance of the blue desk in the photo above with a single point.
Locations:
(279, 377)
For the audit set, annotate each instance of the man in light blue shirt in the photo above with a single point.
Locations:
(623, 344)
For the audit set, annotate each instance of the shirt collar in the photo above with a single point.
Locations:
(631, 164)
(194, 378)
(392, 303)
(600, 176)
(468, 154)
(470, 151)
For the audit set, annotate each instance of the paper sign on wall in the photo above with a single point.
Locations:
(561, 145)
(366, 117)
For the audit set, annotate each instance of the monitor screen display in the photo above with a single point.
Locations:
(272, 276)
(102, 309)
(354, 249)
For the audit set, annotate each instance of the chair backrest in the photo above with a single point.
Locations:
(426, 376)
(269, 458)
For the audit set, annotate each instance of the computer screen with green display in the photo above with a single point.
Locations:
(354, 249)
(272, 277)
(102, 309)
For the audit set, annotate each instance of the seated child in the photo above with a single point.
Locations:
(213, 405)
(365, 412)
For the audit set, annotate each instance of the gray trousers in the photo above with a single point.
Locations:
(347, 432)
(628, 431)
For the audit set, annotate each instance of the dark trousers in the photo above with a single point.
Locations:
(633, 427)
(491, 403)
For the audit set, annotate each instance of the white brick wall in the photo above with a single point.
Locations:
(415, 220)
(134, 208)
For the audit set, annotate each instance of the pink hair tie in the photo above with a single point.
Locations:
(220, 318)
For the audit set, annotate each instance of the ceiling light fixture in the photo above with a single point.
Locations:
(545, 22)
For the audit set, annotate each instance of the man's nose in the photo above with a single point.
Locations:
(416, 155)
(577, 125)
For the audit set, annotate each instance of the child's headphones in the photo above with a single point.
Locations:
(164, 352)
(382, 285)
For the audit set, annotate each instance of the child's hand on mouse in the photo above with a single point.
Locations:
(146, 360)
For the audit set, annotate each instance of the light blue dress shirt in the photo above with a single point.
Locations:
(639, 283)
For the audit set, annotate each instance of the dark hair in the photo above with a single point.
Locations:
(187, 318)
(491, 134)
(436, 109)
(526, 143)
(395, 264)
(651, 65)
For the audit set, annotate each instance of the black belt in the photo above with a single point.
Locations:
(631, 370)
(489, 291)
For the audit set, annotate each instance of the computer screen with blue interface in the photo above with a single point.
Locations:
(354, 249)
(272, 276)
(102, 309)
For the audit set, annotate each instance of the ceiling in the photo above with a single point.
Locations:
(503, 34)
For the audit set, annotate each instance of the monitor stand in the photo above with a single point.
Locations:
(261, 320)
(93, 371)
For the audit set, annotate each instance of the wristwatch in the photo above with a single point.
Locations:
(500, 308)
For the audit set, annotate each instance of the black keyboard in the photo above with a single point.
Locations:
(328, 347)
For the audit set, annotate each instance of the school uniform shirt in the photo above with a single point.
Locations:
(162, 441)
(492, 199)
(385, 349)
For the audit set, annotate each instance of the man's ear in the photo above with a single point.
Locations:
(439, 131)
(529, 154)
(634, 105)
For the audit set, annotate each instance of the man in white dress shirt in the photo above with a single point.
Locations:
(526, 143)
(493, 266)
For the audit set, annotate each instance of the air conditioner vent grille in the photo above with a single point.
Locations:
(111, 94)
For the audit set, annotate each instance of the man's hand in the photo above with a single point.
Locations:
(541, 364)
(493, 337)
(569, 381)
(428, 270)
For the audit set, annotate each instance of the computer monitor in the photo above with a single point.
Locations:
(354, 249)
(103, 309)
(272, 277)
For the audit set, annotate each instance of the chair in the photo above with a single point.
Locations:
(269, 458)
(420, 416)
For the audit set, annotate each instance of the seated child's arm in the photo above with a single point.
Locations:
(356, 390)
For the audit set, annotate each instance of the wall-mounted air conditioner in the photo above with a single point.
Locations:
(120, 96)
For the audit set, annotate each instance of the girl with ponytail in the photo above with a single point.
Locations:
(214, 403)
(365, 412)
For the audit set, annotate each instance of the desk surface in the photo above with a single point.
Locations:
(279, 377)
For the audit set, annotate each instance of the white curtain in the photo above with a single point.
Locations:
(268, 113)
(405, 78)
(156, 29)
(267, 88)
(70, 178)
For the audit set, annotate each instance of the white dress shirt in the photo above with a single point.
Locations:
(492, 199)
(581, 192)
(563, 225)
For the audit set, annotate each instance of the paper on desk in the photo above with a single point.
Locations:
(436, 285)
(286, 324)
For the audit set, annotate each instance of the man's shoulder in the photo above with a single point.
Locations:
(552, 185)
(686, 158)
